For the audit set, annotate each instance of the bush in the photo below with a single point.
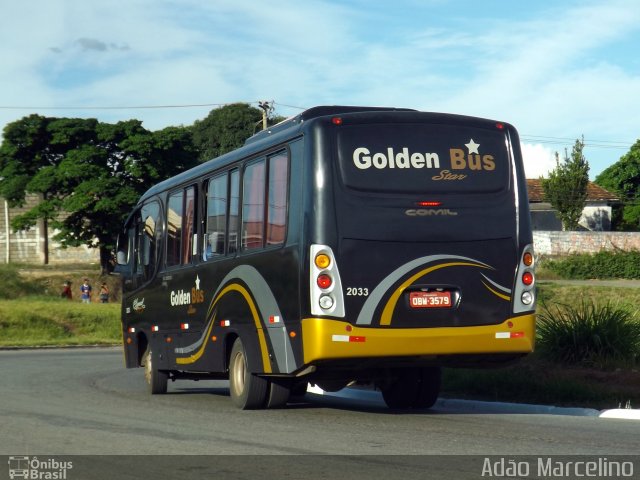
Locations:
(601, 265)
(599, 335)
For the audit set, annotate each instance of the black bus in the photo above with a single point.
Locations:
(346, 245)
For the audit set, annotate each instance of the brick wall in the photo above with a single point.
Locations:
(566, 243)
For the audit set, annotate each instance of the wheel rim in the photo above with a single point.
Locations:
(239, 372)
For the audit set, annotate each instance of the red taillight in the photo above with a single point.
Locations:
(428, 204)
(527, 278)
(324, 281)
(336, 121)
(500, 126)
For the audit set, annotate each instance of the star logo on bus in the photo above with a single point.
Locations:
(472, 146)
(197, 282)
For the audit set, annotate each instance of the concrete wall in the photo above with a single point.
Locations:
(28, 246)
(566, 243)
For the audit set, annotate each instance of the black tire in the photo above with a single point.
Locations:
(413, 388)
(299, 389)
(279, 393)
(156, 379)
(401, 390)
(248, 391)
(430, 383)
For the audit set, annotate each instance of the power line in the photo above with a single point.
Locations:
(130, 107)
(541, 139)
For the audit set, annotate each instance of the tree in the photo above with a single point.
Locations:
(623, 178)
(566, 187)
(90, 174)
(226, 128)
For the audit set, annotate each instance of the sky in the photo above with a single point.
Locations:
(556, 70)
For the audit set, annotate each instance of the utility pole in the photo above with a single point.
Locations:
(266, 107)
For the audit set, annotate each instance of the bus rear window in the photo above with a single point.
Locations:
(418, 158)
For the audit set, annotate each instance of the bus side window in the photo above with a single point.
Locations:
(253, 189)
(147, 240)
(277, 198)
(189, 226)
(174, 229)
(216, 220)
(234, 210)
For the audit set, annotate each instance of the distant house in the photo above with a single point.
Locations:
(596, 215)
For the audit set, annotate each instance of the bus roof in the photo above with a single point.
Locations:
(292, 127)
(315, 112)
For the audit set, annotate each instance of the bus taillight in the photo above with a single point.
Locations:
(324, 281)
(524, 295)
(326, 288)
(322, 261)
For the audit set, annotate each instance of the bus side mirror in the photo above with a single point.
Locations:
(121, 257)
(122, 249)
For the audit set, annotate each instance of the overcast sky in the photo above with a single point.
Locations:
(556, 70)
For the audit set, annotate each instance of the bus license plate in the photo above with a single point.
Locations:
(430, 299)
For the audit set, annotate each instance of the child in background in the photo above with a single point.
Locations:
(85, 291)
(104, 293)
(66, 290)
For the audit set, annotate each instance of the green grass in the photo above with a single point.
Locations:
(536, 381)
(14, 285)
(45, 321)
(552, 293)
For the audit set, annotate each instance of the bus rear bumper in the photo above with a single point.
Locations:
(326, 339)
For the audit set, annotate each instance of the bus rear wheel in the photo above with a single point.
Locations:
(248, 391)
(412, 388)
(279, 393)
(156, 379)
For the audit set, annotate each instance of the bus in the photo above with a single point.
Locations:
(344, 246)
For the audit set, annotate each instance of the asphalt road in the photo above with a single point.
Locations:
(84, 402)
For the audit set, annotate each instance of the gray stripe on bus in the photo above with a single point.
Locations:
(267, 305)
(499, 287)
(366, 313)
(200, 341)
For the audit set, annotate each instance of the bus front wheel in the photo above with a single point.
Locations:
(156, 379)
(412, 388)
(248, 391)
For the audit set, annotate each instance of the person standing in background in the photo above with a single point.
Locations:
(104, 293)
(66, 290)
(85, 291)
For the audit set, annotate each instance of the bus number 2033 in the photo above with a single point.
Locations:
(357, 292)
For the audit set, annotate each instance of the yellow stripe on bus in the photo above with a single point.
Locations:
(496, 293)
(266, 364)
(387, 313)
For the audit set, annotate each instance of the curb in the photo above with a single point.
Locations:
(458, 406)
(58, 347)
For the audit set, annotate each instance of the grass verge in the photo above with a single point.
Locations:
(43, 321)
(534, 380)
